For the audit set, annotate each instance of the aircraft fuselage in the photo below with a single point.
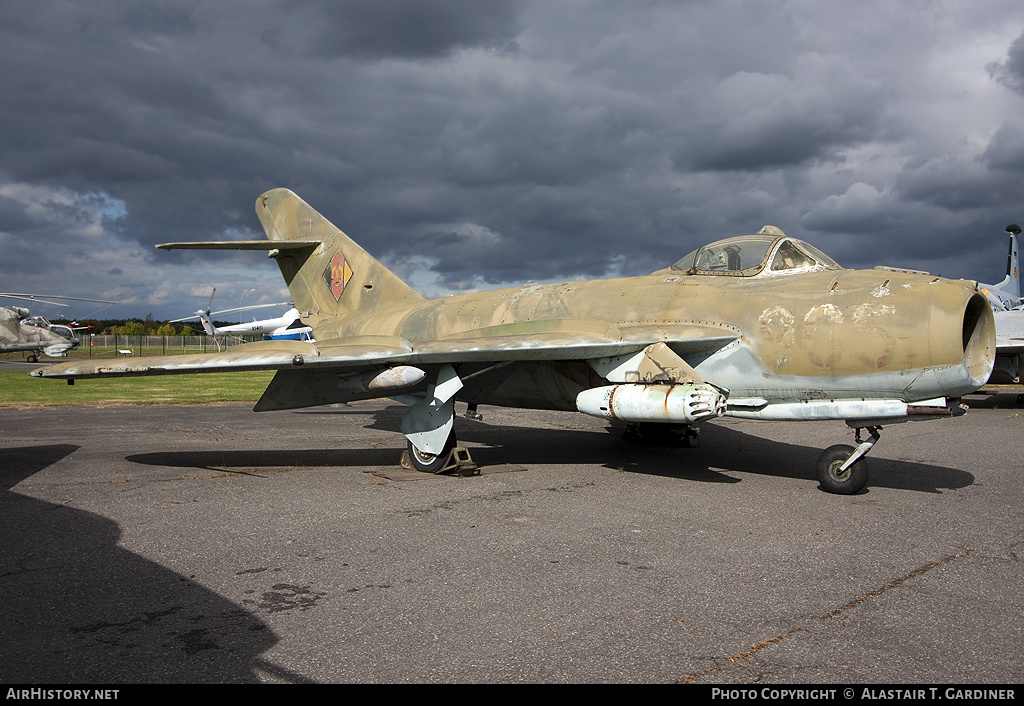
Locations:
(824, 335)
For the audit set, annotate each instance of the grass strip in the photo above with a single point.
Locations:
(17, 389)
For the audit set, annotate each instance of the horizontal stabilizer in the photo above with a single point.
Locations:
(243, 245)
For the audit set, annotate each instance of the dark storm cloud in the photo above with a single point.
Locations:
(1005, 152)
(756, 121)
(1010, 72)
(409, 29)
(472, 144)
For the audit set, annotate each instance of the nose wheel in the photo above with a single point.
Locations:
(842, 469)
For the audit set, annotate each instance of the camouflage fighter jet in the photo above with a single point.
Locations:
(758, 327)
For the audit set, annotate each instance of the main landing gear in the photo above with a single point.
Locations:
(452, 458)
(429, 430)
(431, 463)
(842, 468)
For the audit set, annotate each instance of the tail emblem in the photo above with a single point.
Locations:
(337, 275)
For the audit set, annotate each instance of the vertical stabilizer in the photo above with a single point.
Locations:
(332, 275)
(1005, 296)
(1012, 265)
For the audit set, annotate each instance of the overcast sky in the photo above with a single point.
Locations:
(473, 144)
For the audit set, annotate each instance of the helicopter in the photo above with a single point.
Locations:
(21, 331)
(288, 326)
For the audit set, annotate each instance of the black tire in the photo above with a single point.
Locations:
(431, 463)
(850, 481)
(32, 359)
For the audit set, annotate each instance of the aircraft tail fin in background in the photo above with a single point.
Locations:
(204, 318)
(1006, 294)
(327, 273)
(1012, 263)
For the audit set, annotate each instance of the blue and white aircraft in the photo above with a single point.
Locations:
(287, 327)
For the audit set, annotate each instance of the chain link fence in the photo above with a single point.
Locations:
(120, 345)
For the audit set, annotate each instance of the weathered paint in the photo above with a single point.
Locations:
(686, 403)
(821, 335)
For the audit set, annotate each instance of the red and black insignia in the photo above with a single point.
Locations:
(337, 275)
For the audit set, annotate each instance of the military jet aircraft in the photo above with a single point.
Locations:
(759, 327)
(20, 331)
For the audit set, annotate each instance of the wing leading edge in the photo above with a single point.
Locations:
(545, 340)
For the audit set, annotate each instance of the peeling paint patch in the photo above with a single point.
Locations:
(824, 313)
(821, 331)
(777, 325)
(863, 313)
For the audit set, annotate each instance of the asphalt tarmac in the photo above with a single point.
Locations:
(215, 545)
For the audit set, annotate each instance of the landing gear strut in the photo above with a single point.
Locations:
(843, 469)
(429, 428)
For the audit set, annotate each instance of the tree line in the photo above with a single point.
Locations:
(143, 327)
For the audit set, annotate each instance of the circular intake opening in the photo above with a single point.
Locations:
(979, 336)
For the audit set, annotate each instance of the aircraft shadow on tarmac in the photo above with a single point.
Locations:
(724, 451)
(80, 609)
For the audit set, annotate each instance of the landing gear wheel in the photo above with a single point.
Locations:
(431, 463)
(845, 482)
(32, 359)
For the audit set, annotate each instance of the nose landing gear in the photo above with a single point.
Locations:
(842, 469)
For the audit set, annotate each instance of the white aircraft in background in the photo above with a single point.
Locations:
(1009, 314)
(1005, 296)
(287, 327)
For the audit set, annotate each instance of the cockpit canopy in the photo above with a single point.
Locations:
(59, 329)
(770, 252)
(37, 321)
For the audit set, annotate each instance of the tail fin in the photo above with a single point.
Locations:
(1006, 294)
(204, 318)
(327, 274)
(1012, 261)
(332, 275)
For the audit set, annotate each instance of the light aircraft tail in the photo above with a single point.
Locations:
(327, 273)
(1012, 262)
(204, 318)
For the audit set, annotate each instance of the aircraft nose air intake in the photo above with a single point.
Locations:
(979, 334)
(689, 403)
